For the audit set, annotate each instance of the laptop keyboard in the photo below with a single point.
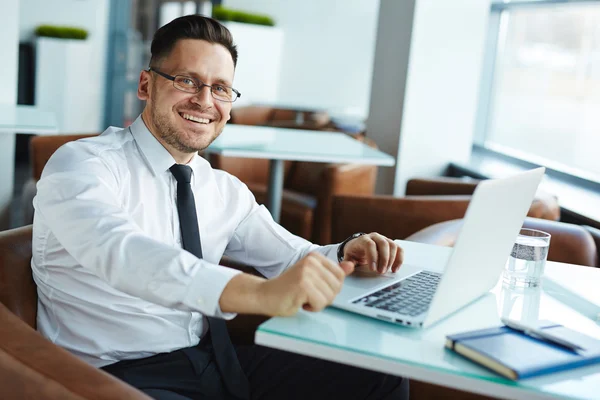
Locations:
(410, 296)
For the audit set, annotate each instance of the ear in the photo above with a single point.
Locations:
(143, 92)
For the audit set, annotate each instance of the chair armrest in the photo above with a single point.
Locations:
(33, 367)
(571, 244)
(440, 185)
(595, 232)
(544, 205)
(394, 217)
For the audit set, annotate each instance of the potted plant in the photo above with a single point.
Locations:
(62, 77)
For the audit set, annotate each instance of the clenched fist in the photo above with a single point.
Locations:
(312, 283)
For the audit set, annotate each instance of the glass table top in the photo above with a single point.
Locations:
(575, 304)
(295, 144)
(26, 119)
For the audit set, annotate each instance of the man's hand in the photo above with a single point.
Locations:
(375, 252)
(312, 283)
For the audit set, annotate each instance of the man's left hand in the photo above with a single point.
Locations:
(375, 252)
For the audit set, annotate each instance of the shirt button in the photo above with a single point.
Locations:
(200, 301)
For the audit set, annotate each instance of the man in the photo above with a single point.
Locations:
(129, 230)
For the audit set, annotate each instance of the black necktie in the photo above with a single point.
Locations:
(225, 355)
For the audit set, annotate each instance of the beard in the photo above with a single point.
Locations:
(175, 137)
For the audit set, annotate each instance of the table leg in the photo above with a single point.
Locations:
(275, 189)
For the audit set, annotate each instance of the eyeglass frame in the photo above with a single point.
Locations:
(199, 84)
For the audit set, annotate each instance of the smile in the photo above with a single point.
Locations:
(190, 117)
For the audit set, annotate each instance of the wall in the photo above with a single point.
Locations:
(328, 52)
(425, 87)
(9, 49)
(89, 14)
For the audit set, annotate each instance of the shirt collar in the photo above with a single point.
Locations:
(159, 160)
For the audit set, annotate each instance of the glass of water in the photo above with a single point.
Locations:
(525, 266)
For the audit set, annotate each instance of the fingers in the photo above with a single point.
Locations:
(347, 267)
(399, 258)
(319, 295)
(380, 253)
(321, 280)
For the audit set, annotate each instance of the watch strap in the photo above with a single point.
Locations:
(340, 251)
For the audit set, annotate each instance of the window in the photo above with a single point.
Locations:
(544, 99)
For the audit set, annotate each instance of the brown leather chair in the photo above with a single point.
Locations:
(34, 368)
(544, 205)
(437, 220)
(569, 243)
(394, 217)
(595, 232)
(31, 366)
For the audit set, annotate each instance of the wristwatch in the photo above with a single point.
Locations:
(340, 251)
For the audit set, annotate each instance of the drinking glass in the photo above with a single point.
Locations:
(525, 265)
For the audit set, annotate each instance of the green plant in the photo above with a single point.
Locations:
(227, 14)
(62, 32)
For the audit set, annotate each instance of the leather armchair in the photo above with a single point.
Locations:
(394, 217)
(544, 205)
(569, 243)
(33, 367)
(437, 220)
(30, 365)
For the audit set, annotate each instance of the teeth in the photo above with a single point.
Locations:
(196, 119)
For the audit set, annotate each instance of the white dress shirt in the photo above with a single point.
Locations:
(113, 280)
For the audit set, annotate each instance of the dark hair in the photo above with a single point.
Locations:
(191, 27)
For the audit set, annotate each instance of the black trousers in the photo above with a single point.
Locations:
(191, 373)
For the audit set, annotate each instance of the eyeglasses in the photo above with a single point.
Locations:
(192, 85)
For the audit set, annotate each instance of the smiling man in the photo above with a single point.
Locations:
(129, 229)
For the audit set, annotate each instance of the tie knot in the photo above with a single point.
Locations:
(182, 173)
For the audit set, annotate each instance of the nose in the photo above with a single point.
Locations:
(203, 97)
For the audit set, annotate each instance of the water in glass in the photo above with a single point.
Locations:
(525, 265)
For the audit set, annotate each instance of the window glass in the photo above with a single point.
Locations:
(545, 104)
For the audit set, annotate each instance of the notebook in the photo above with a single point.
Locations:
(515, 355)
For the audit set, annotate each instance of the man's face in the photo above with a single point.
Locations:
(168, 110)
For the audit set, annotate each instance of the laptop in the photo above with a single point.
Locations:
(417, 297)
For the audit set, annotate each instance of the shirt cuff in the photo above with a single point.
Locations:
(206, 288)
(330, 251)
